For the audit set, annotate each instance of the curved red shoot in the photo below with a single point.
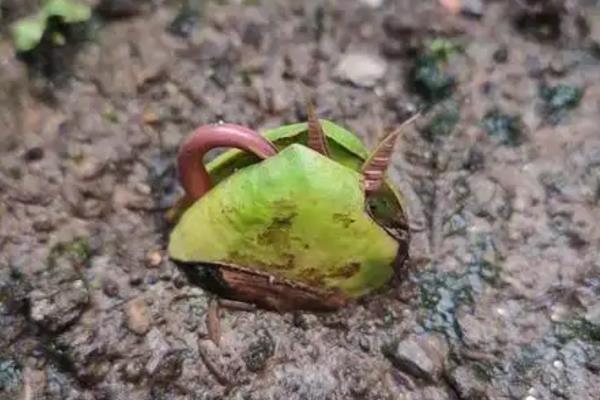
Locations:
(193, 175)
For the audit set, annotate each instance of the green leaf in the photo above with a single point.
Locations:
(345, 138)
(28, 32)
(70, 11)
(297, 214)
(285, 131)
(346, 148)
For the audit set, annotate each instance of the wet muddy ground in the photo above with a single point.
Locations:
(501, 297)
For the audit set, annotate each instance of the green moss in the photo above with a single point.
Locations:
(561, 97)
(110, 115)
(526, 364)
(429, 79)
(578, 328)
(573, 342)
(503, 128)
(442, 49)
(559, 100)
(443, 122)
(443, 293)
(429, 76)
(258, 353)
(78, 251)
(10, 375)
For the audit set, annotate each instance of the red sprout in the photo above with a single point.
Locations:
(192, 173)
(375, 167)
(316, 137)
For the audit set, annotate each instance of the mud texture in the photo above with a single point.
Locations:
(501, 295)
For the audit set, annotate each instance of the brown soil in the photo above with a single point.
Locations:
(501, 296)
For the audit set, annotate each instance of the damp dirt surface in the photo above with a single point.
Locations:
(500, 298)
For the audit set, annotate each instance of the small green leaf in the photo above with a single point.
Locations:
(442, 49)
(28, 32)
(70, 11)
(345, 138)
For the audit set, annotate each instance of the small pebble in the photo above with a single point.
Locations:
(253, 35)
(372, 3)
(558, 66)
(558, 364)
(153, 259)
(364, 344)
(132, 371)
(110, 287)
(361, 69)
(138, 316)
(559, 312)
(135, 278)
(43, 224)
(179, 281)
(420, 357)
(165, 275)
(593, 314)
(501, 55)
(143, 188)
(304, 321)
(150, 118)
(473, 8)
(90, 168)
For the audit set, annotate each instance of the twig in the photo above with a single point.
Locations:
(212, 368)
(237, 305)
(212, 322)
